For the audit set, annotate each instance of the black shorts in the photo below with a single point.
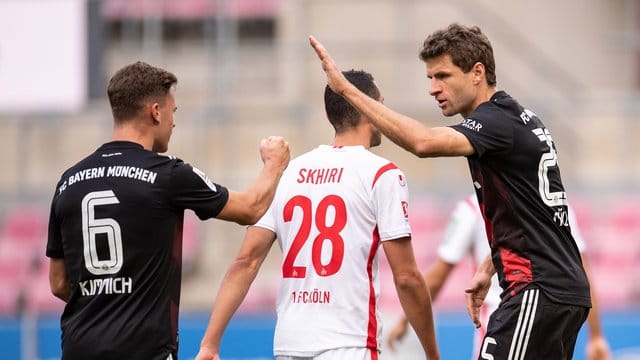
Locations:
(530, 326)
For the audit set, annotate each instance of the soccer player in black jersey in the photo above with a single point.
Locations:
(115, 229)
(514, 169)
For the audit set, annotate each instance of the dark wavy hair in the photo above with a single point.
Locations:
(466, 46)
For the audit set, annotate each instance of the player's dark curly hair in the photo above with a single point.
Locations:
(340, 112)
(466, 46)
(136, 84)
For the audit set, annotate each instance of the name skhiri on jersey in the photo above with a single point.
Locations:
(319, 176)
(120, 285)
(130, 172)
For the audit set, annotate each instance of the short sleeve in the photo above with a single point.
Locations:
(488, 133)
(460, 232)
(391, 203)
(193, 189)
(268, 220)
(54, 237)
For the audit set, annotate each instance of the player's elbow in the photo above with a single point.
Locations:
(252, 213)
(246, 209)
(421, 149)
(408, 280)
(246, 264)
(60, 289)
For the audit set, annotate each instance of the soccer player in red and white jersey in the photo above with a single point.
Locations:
(466, 235)
(333, 208)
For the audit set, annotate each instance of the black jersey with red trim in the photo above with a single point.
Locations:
(517, 180)
(116, 219)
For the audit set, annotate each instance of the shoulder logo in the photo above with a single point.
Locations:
(472, 124)
(405, 209)
(205, 178)
(402, 180)
(527, 115)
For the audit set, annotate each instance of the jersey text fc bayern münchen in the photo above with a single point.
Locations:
(116, 219)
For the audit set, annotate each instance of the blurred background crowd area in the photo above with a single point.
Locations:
(246, 71)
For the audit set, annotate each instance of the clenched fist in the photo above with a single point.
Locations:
(274, 150)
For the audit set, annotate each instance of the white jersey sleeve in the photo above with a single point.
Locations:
(268, 220)
(465, 231)
(575, 230)
(391, 201)
(466, 236)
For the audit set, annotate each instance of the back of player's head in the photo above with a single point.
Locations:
(134, 85)
(340, 112)
(466, 46)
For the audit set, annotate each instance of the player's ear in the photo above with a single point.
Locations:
(478, 72)
(154, 109)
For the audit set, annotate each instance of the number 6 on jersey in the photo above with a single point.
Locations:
(92, 227)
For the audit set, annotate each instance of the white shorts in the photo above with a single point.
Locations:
(354, 353)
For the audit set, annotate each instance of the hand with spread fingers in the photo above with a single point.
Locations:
(335, 79)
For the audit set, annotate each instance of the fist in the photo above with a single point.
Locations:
(275, 150)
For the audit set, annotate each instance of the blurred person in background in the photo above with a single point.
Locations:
(115, 228)
(333, 208)
(514, 169)
(466, 235)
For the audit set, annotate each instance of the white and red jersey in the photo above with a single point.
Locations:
(332, 208)
(466, 235)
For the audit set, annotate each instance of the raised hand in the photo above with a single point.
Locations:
(336, 81)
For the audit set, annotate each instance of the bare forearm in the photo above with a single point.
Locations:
(402, 130)
(63, 293)
(233, 290)
(416, 303)
(59, 279)
(247, 207)
(486, 266)
(262, 190)
(593, 320)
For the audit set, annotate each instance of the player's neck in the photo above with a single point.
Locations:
(352, 138)
(133, 133)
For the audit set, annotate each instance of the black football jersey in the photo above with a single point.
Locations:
(116, 219)
(517, 180)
